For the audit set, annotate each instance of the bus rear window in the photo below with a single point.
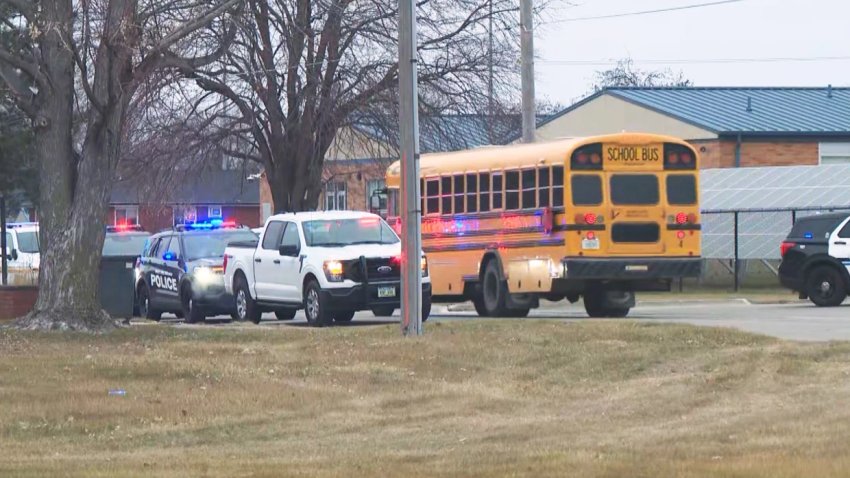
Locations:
(681, 189)
(634, 189)
(587, 190)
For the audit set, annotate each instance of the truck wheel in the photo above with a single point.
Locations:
(145, 309)
(192, 313)
(246, 308)
(285, 314)
(315, 309)
(344, 316)
(384, 311)
(825, 287)
(494, 291)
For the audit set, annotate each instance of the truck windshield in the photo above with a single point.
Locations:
(347, 232)
(28, 241)
(208, 245)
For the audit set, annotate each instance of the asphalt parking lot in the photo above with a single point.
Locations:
(791, 321)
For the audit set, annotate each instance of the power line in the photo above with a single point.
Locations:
(698, 61)
(648, 12)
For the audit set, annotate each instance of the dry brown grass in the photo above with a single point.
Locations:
(475, 398)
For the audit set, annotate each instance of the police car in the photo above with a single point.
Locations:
(816, 259)
(180, 271)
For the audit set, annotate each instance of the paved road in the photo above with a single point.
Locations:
(794, 321)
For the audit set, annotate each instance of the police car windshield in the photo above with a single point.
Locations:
(124, 244)
(207, 245)
(28, 241)
(347, 232)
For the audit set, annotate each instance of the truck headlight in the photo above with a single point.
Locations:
(204, 275)
(424, 265)
(333, 271)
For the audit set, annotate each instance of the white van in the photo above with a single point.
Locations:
(22, 252)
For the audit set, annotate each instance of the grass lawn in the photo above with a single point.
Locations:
(471, 398)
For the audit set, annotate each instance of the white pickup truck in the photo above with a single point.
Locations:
(331, 264)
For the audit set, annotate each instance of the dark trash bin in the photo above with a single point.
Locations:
(117, 288)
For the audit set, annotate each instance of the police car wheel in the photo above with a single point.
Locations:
(246, 308)
(825, 287)
(192, 313)
(315, 309)
(145, 309)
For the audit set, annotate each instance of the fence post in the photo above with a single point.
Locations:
(737, 269)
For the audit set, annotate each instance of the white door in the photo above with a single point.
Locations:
(264, 257)
(839, 244)
(288, 274)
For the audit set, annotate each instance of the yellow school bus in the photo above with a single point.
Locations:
(596, 218)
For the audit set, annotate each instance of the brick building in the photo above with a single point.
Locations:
(229, 195)
(357, 162)
(732, 127)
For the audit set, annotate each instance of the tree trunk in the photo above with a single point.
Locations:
(75, 190)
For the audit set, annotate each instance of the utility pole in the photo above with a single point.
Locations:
(491, 139)
(526, 20)
(411, 241)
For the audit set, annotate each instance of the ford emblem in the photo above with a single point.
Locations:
(385, 269)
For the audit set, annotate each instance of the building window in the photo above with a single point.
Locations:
(128, 215)
(184, 214)
(335, 198)
(834, 153)
(372, 186)
(214, 212)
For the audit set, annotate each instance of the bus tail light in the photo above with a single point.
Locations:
(785, 247)
(590, 218)
(681, 218)
(590, 236)
(680, 234)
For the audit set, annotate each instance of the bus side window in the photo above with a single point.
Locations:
(446, 194)
(544, 188)
(484, 181)
(511, 190)
(433, 196)
(471, 193)
(557, 186)
(460, 194)
(529, 188)
(498, 191)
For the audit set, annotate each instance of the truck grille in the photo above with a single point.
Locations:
(377, 269)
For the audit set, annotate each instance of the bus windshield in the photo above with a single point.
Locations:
(347, 232)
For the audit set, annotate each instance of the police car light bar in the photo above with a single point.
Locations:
(124, 228)
(211, 224)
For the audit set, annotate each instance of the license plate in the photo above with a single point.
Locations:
(590, 243)
(384, 292)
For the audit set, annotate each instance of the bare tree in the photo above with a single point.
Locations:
(300, 71)
(73, 67)
(626, 74)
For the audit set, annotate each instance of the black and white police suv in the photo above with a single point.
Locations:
(180, 271)
(816, 259)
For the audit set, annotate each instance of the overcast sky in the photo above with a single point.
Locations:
(750, 29)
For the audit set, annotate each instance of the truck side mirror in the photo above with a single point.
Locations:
(12, 254)
(290, 250)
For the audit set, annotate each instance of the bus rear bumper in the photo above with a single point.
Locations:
(631, 268)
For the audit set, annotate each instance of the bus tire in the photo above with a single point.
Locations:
(597, 307)
(478, 303)
(494, 290)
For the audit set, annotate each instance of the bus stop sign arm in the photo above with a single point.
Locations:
(411, 245)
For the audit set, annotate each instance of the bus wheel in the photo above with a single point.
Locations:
(478, 302)
(494, 291)
(598, 304)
